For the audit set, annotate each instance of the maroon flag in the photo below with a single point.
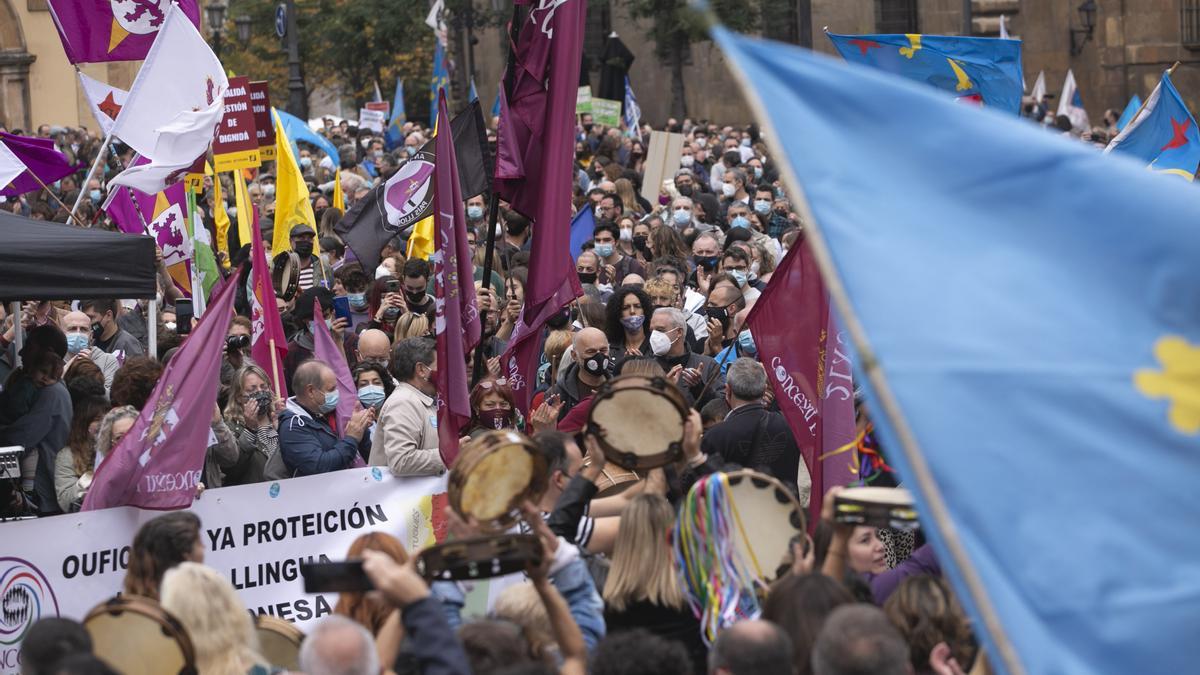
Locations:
(113, 30)
(539, 125)
(268, 343)
(808, 368)
(327, 350)
(457, 323)
(42, 162)
(161, 459)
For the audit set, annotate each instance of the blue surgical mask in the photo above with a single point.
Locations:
(305, 162)
(739, 276)
(474, 212)
(758, 172)
(762, 206)
(94, 195)
(746, 142)
(746, 342)
(604, 250)
(357, 299)
(740, 221)
(371, 395)
(682, 216)
(331, 401)
(312, 326)
(633, 322)
(76, 342)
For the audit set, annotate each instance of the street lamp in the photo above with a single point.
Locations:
(215, 12)
(1080, 36)
(243, 23)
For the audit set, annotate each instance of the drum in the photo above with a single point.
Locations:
(876, 507)
(638, 421)
(613, 480)
(285, 275)
(279, 641)
(766, 516)
(136, 636)
(479, 557)
(493, 475)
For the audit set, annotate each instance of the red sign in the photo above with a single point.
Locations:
(260, 104)
(381, 106)
(236, 144)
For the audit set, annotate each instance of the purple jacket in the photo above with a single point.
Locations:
(922, 561)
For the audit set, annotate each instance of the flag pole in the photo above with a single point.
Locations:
(890, 406)
(514, 32)
(91, 172)
(71, 213)
(1143, 105)
(274, 362)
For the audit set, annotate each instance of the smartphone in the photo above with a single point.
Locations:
(341, 308)
(335, 577)
(183, 316)
(393, 286)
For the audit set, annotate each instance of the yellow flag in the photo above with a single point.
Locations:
(221, 218)
(292, 206)
(420, 242)
(339, 198)
(245, 213)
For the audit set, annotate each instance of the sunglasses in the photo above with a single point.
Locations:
(489, 384)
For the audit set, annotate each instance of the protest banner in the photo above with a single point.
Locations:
(236, 143)
(583, 100)
(264, 128)
(606, 112)
(382, 106)
(256, 535)
(371, 119)
(662, 160)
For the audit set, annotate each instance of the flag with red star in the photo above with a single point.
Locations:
(1163, 136)
(106, 100)
(93, 31)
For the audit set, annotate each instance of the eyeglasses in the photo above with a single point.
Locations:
(487, 385)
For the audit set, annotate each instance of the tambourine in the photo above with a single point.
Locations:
(612, 481)
(493, 475)
(876, 507)
(479, 557)
(136, 636)
(766, 518)
(638, 421)
(285, 275)
(279, 641)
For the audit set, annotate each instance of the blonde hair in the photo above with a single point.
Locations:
(411, 325)
(521, 605)
(643, 567)
(234, 406)
(215, 618)
(556, 345)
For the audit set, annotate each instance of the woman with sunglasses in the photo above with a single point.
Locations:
(493, 406)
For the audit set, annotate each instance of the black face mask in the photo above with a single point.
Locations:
(639, 242)
(516, 229)
(599, 365)
(319, 213)
(304, 249)
(685, 190)
(97, 331)
(707, 262)
(587, 277)
(415, 300)
(720, 314)
(559, 321)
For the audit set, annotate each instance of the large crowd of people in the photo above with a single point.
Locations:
(668, 283)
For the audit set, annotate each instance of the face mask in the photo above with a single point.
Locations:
(720, 314)
(687, 161)
(598, 365)
(740, 221)
(76, 342)
(94, 195)
(587, 277)
(663, 200)
(515, 230)
(268, 190)
(682, 216)
(303, 249)
(705, 261)
(232, 210)
(633, 322)
(97, 331)
(739, 276)
(728, 190)
(496, 419)
(598, 213)
(746, 343)
(745, 142)
(306, 162)
(762, 206)
(312, 326)
(758, 172)
(371, 395)
(660, 343)
(474, 212)
(639, 242)
(415, 299)
(685, 190)
(604, 250)
(626, 234)
(169, 325)
(357, 300)
(754, 267)
(331, 401)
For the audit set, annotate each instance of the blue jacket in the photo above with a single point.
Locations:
(309, 445)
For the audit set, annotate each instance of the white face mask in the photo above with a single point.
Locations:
(660, 344)
(687, 161)
(728, 190)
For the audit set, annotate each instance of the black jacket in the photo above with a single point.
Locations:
(710, 372)
(567, 388)
(771, 449)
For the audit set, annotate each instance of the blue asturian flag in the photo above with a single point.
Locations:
(983, 70)
(582, 226)
(1027, 312)
(1131, 109)
(1164, 135)
(441, 78)
(394, 137)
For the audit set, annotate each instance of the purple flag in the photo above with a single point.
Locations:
(40, 158)
(113, 30)
(161, 459)
(808, 368)
(325, 349)
(164, 213)
(540, 127)
(457, 322)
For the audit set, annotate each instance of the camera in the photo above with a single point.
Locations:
(235, 343)
(263, 398)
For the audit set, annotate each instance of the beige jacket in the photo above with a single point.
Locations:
(406, 437)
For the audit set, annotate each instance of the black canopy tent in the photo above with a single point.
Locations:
(51, 261)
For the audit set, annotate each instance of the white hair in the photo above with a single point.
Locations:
(339, 646)
(677, 318)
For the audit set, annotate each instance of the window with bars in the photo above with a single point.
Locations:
(899, 16)
(1189, 23)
